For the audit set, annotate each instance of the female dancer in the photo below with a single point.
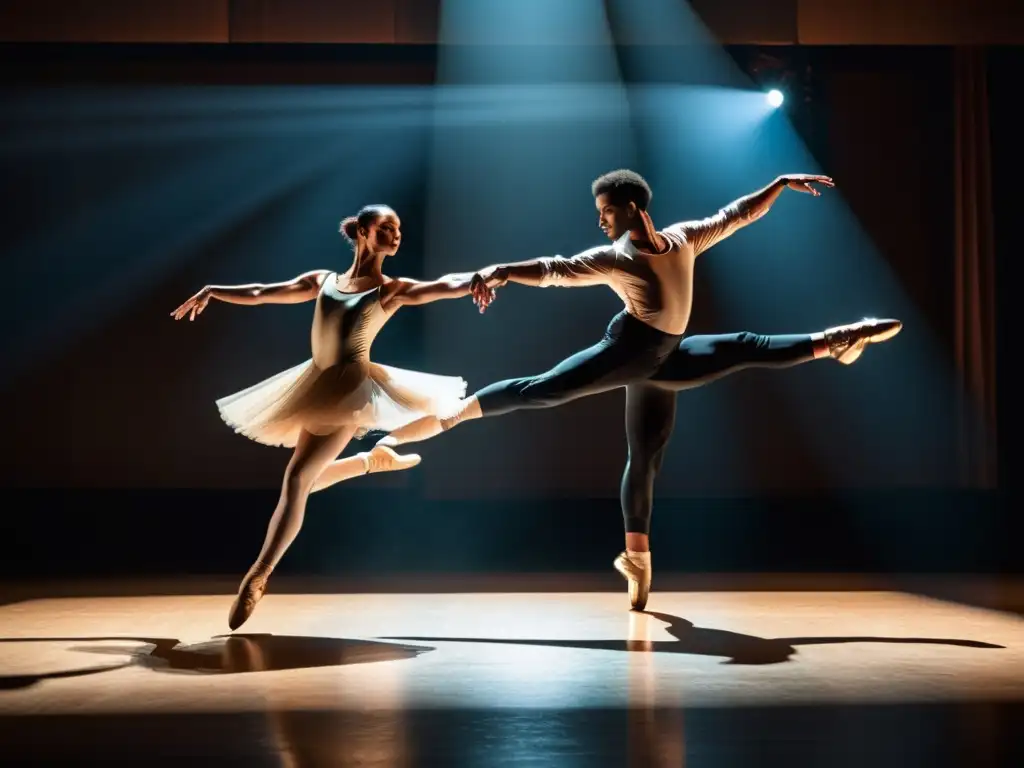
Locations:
(318, 406)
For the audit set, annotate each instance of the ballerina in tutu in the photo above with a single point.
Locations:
(317, 407)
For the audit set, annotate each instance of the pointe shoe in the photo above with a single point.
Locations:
(249, 594)
(383, 459)
(847, 342)
(638, 575)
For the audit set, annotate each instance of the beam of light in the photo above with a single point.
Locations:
(682, 82)
(665, 41)
(823, 269)
(118, 104)
(39, 132)
(518, 187)
(148, 213)
(92, 119)
(809, 264)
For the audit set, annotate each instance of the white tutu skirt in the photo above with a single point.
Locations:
(360, 394)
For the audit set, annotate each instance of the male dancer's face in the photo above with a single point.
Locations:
(614, 220)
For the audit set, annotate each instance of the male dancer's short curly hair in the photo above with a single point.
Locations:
(622, 187)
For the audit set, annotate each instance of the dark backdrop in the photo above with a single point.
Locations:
(108, 404)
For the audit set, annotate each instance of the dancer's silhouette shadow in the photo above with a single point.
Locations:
(737, 648)
(224, 654)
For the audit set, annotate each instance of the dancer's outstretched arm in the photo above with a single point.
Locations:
(704, 233)
(305, 287)
(587, 268)
(404, 292)
(591, 267)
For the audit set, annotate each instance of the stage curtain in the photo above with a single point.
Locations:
(974, 281)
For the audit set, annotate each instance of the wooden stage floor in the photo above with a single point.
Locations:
(808, 672)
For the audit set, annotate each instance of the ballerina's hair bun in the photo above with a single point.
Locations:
(350, 227)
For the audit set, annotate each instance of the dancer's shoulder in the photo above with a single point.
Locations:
(316, 277)
(675, 235)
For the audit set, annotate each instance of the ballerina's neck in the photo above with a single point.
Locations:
(347, 284)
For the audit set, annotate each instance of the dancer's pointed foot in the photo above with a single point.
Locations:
(382, 458)
(847, 342)
(636, 568)
(249, 593)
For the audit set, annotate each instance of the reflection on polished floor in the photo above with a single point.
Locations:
(727, 677)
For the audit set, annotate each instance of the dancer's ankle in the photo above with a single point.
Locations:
(259, 570)
(821, 348)
(637, 542)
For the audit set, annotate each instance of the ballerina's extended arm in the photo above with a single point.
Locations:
(404, 292)
(305, 287)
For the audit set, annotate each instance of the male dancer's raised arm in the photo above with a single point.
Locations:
(702, 234)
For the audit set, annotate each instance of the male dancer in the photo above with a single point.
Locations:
(643, 348)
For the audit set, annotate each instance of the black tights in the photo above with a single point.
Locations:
(653, 366)
(651, 404)
(630, 351)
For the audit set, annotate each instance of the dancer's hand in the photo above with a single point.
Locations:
(484, 286)
(801, 182)
(482, 295)
(194, 306)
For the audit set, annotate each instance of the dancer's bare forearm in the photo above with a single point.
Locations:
(305, 287)
(415, 292)
(300, 289)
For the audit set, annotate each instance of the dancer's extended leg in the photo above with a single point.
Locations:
(380, 459)
(630, 351)
(311, 456)
(703, 359)
(429, 426)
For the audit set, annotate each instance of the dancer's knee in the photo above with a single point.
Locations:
(299, 481)
(655, 461)
(641, 472)
(541, 392)
(735, 348)
(746, 340)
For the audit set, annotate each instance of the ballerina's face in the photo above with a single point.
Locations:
(384, 235)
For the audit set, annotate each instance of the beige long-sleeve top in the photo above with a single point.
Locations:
(657, 288)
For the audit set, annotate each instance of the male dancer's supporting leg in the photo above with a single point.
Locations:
(650, 419)
(650, 413)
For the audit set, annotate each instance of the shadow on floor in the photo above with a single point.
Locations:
(230, 654)
(737, 648)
